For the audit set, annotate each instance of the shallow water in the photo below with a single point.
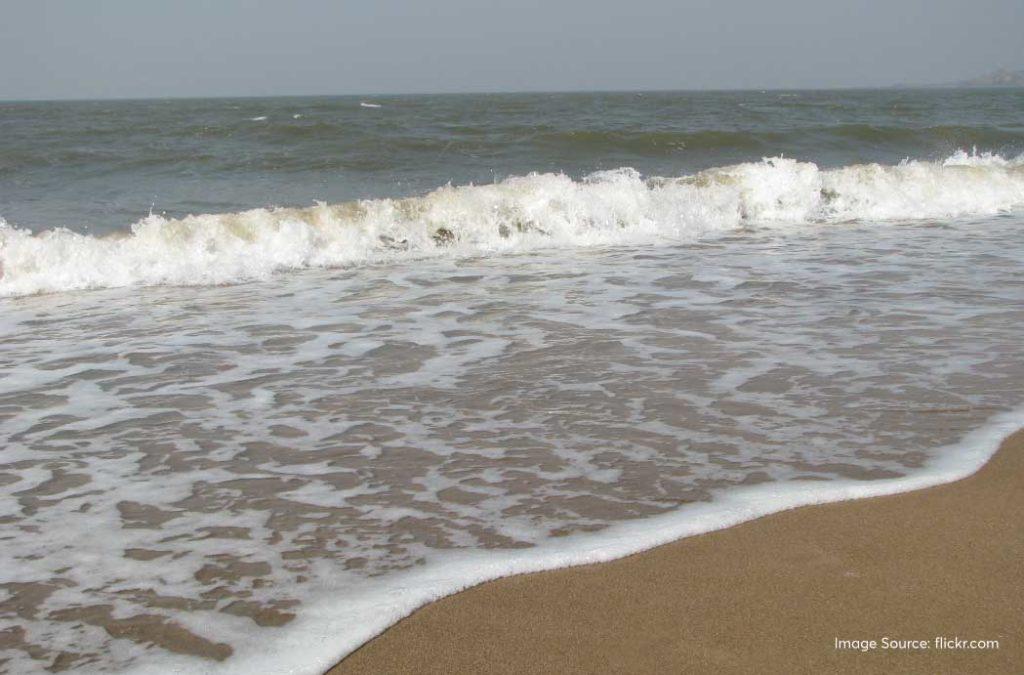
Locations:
(216, 458)
(250, 440)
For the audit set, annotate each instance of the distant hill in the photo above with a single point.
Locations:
(998, 78)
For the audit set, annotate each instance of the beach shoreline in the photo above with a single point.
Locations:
(904, 581)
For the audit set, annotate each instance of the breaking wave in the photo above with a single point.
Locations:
(516, 214)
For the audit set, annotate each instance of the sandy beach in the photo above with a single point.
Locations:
(770, 595)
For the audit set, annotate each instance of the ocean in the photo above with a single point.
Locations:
(276, 372)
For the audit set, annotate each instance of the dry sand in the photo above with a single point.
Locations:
(767, 596)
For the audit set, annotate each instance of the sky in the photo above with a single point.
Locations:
(168, 48)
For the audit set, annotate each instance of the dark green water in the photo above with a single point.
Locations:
(100, 166)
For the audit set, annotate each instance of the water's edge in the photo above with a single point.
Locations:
(408, 593)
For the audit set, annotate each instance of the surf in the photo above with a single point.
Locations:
(520, 213)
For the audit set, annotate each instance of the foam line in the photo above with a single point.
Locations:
(323, 636)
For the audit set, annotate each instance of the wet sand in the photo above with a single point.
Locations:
(770, 595)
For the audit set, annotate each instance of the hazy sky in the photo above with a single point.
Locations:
(143, 48)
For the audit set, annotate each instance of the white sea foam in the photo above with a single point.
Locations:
(517, 214)
(343, 446)
(371, 612)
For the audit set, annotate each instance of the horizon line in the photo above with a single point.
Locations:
(511, 92)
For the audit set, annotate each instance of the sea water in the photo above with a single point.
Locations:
(273, 373)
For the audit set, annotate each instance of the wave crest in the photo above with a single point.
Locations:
(517, 214)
